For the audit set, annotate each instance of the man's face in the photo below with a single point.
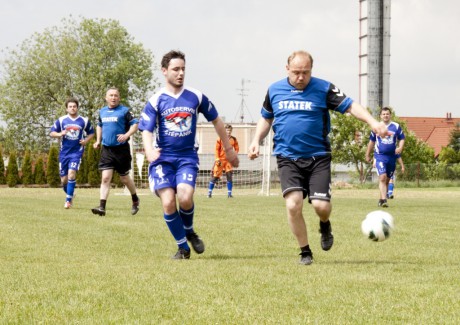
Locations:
(72, 109)
(385, 116)
(229, 132)
(299, 71)
(112, 98)
(175, 73)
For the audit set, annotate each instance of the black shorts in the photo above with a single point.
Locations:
(118, 158)
(312, 176)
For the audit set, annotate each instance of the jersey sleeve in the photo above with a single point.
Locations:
(267, 109)
(336, 100)
(147, 121)
(208, 109)
(89, 127)
(56, 127)
(372, 137)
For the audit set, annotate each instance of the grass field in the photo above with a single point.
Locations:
(70, 267)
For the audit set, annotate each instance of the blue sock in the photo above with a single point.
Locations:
(391, 187)
(64, 188)
(70, 189)
(211, 187)
(187, 219)
(176, 227)
(229, 187)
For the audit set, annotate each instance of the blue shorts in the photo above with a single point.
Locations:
(168, 172)
(67, 163)
(385, 165)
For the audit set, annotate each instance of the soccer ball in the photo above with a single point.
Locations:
(378, 225)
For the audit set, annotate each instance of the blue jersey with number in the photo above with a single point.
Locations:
(76, 129)
(301, 117)
(174, 119)
(387, 146)
(115, 121)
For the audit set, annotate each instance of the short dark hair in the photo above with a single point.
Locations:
(228, 126)
(386, 108)
(71, 100)
(173, 54)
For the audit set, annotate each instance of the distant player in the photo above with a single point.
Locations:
(391, 184)
(386, 151)
(173, 113)
(71, 129)
(221, 164)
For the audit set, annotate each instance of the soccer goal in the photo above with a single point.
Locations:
(258, 176)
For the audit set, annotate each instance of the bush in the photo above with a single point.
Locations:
(12, 178)
(52, 170)
(2, 168)
(39, 172)
(27, 175)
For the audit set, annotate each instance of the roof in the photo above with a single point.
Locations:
(435, 131)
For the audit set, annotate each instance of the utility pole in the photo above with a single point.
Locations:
(243, 93)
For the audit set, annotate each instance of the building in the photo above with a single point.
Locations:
(434, 131)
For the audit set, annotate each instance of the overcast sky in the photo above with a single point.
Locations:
(227, 41)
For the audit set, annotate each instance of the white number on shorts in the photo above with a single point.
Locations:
(188, 177)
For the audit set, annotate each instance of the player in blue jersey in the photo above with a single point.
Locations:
(116, 124)
(71, 129)
(172, 114)
(297, 107)
(386, 151)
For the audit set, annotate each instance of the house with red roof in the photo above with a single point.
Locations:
(434, 131)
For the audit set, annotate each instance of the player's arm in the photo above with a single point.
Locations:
(98, 137)
(400, 147)
(370, 147)
(400, 161)
(363, 115)
(55, 134)
(262, 129)
(236, 146)
(151, 153)
(230, 153)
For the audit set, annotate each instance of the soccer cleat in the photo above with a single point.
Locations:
(306, 258)
(67, 205)
(197, 243)
(383, 203)
(182, 254)
(209, 195)
(391, 196)
(230, 196)
(327, 239)
(98, 210)
(135, 207)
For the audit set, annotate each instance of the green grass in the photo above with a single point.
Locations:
(62, 266)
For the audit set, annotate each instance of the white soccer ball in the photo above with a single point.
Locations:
(377, 225)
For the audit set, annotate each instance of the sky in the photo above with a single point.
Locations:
(226, 42)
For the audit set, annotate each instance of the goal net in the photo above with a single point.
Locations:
(258, 176)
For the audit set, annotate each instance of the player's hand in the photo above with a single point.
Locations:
(122, 137)
(218, 163)
(153, 155)
(253, 151)
(381, 129)
(368, 158)
(63, 133)
(96, 144)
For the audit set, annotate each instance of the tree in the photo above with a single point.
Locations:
(349, 138)
(81, 59)
(52, 170)
(12, 178)
(2, 167)
(27, 175)
(82, 174)
(454, 141)
(94, 177)
(39, 172)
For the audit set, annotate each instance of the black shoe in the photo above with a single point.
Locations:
(391, 196)
(182, 254)
(306, 258)
(197, 243)
(383, 203)
(327, 239)
(209, 195)
(230, 196)
(98, 210)
(135, 207)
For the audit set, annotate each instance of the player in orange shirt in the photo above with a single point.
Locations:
(221, 164)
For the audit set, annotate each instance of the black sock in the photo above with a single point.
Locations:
(305, 249)
(324, 225)
(102, 204)
(134, 197)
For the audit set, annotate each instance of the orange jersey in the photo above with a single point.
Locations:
(220, 150)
